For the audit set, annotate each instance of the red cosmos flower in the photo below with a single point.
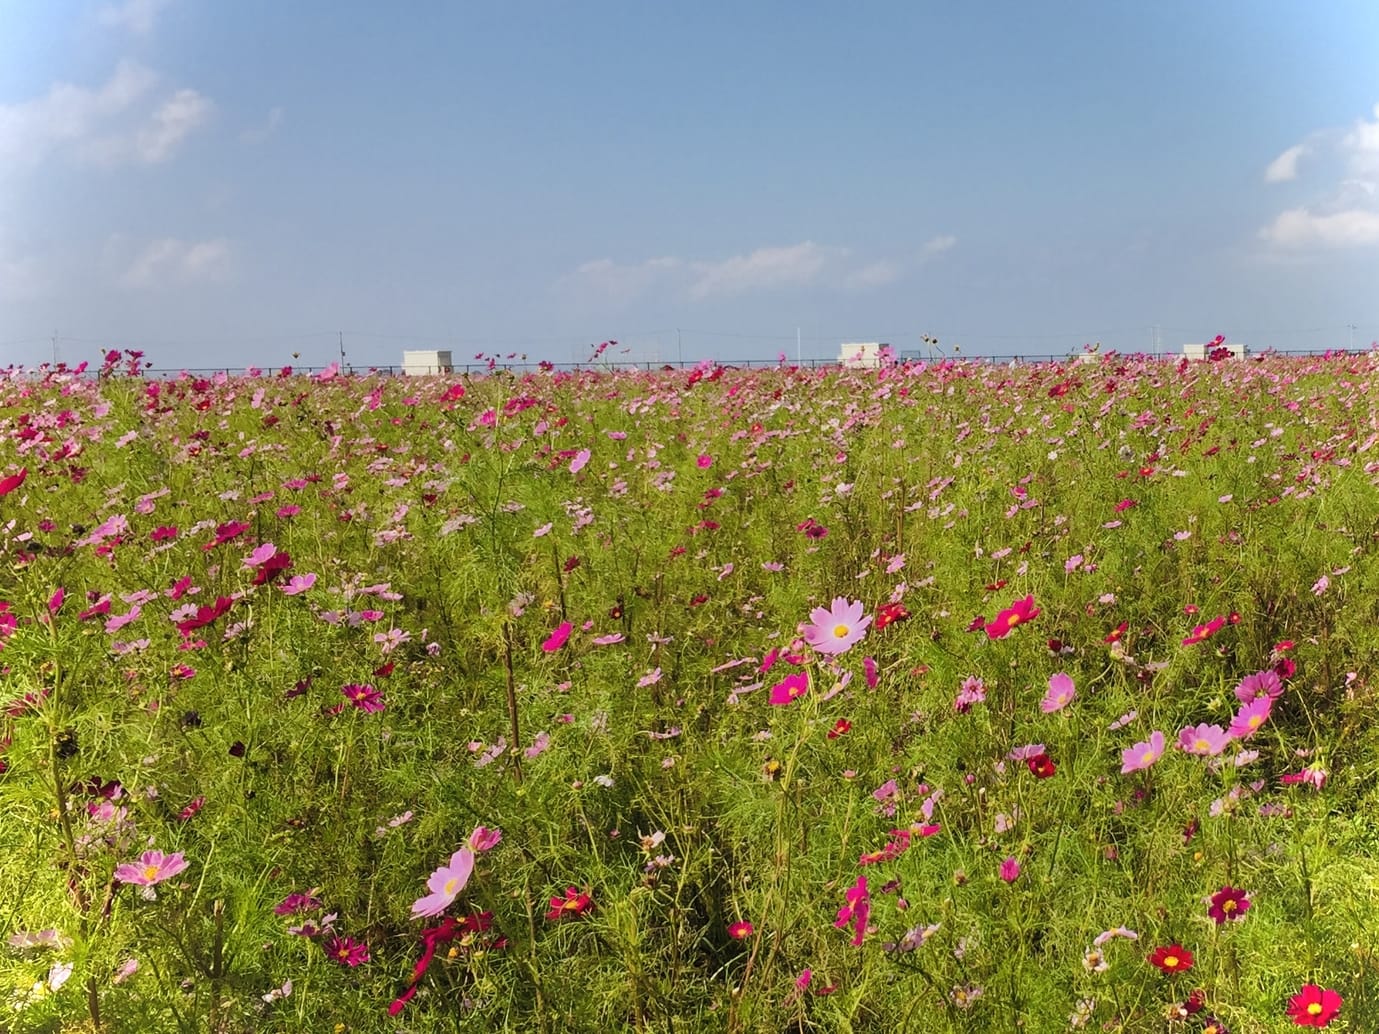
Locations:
(1041, 765)
(741, 929)
(1016, 614)
(841, 727)
(1314, 1006)
(888, 613)
(1203, 632)
(996, 586)
(978, 623)
(1114, 635)
(1126, 504)
(576, 902)
(9, 484)
(1228, 903)
(1171, 959)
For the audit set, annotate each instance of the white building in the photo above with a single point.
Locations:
(1203, 351)
(425, 362)
(864, 354)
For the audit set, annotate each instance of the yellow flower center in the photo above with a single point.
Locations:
(841, 631)
(150, 872)
(1171, 961)
(1228, 906)
(1314, 1009)
(450, 886)
(1012, 619)
(1148, 756)
(1201, 744)
(1255, 721)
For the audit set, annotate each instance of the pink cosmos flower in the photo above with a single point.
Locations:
(1060, 694)
(1264, 683)
(789, 689)
(856, 912)
(1203, 739)
(704, 461)
(558, 637)
(298, 584)
(1010, 870)
(581, 458)
(1016, 614)
(837, 628)
(152, 867)
(1142, 754)
(484, 839)
(1228, 903)
(1203, 632)
(444, 884)
(1250, 718)
(869, 671)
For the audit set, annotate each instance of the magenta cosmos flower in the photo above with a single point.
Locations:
(1142, 754)
(1228, 903)
(445, 883)
(837, 628)
(558, 637)
(1016, 614)
(152, 867)
(856, 912)
(1203, 739)
(789, 689)
(364, 697)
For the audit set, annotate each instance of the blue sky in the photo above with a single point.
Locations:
(229, 183)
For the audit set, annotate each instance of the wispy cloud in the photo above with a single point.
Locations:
(766, 268)
(170, 262)
(136, 16)
(938, 245)
(270, 125)
(1285, 166)
(1344, 214)
(771, 268)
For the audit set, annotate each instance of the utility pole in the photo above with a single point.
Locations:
(342, 350)
(1350, 342)
(55, 348)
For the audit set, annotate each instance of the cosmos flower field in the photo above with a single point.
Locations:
(949, 697)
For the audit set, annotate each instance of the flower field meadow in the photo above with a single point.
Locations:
(949, 697)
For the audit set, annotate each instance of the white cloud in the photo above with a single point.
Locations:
(137, 16)
(258, 134)
(30, 130)
(1344, 214)
(878, 274)
(937, 245)
(605, 281)
(1302, 228)
(170, 261)
(1285, 166)
(182, 113)
(792, 266)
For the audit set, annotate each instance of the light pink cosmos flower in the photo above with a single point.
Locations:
(1142, 754)
(444, 884)
(298, 584)
(581, 458)
(1206, 740)
(1060, 694)
(152, 867)
(1010, 870)
(835, 629)
(1250, 718)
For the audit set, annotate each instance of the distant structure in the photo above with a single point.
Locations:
(862, 354)
(1200, 352)
(426, 362)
